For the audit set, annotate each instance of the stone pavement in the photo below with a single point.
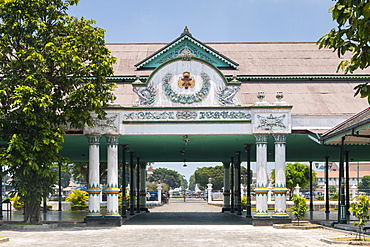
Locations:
(192, 223)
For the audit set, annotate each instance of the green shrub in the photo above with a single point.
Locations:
(244, 202)
(360, 209)
(299, 208)
(17, 204)
(334, 197)
(120, 199)
(78, 199)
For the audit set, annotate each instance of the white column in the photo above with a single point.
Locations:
(226, 206)
(112, 177)
(261, 187)
(94, 189)
(142, 191)
(280, 189)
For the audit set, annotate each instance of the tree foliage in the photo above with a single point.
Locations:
(170, 177)
(53, 70)
(352, 35)
(364, 185)
(299, 208)
(216, 173)
(296, 173)
(360, 209)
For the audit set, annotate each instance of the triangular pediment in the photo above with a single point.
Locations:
(187, 43)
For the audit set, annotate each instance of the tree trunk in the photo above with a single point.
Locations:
(32, 212)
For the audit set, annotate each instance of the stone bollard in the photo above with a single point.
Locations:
(354, 191)
(209, 192)
(296, 190)
(159, 188)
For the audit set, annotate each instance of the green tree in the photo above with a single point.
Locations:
(299, 208)
(216, 173)
(170, 177)
(54, 70)
(360, 209)
(364, 185)
(296, 173)
(192, 182)
(351, 36)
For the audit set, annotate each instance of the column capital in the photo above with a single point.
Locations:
(226, 164)
(94, 139)
(112, 139)
(142, 165)
(280, 138)
(261, 139)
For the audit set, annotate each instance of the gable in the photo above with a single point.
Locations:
(187, 43)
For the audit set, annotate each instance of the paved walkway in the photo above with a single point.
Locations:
(192, 223)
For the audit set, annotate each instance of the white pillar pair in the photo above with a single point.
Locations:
(94, 189)
(262, 189)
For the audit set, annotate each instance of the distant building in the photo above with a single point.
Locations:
(357, 170)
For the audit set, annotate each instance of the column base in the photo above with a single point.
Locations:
(280, 215)
(146, 210)
(94, 215)
(268, 221)
(261, 215)
(225, 209)
(112, 216)
(103, 221)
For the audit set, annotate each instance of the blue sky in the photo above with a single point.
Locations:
(153, 21)
(209, 20)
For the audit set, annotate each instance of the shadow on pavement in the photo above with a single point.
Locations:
(186, 218)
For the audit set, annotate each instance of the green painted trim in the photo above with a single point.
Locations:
(346, 132)
(187, 108)
(193, 58)
(304, 77)
(193, 40)
(271, 106)
(184, 122)
(267, 77)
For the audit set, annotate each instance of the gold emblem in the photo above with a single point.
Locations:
(186, 81)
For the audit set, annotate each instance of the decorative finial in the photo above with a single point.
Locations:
(280, 101)
(138, 80)
(186, 31)
(261, 96)
(279, 96)
(235, 79)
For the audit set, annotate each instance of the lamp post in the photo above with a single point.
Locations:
(60, 187)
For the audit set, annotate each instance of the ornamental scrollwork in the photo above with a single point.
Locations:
(147, 115)
(270, 121)
(186, 98)
(146, 96)
(194, 52)
(226, 95)
(186, 115)
(107, 123)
